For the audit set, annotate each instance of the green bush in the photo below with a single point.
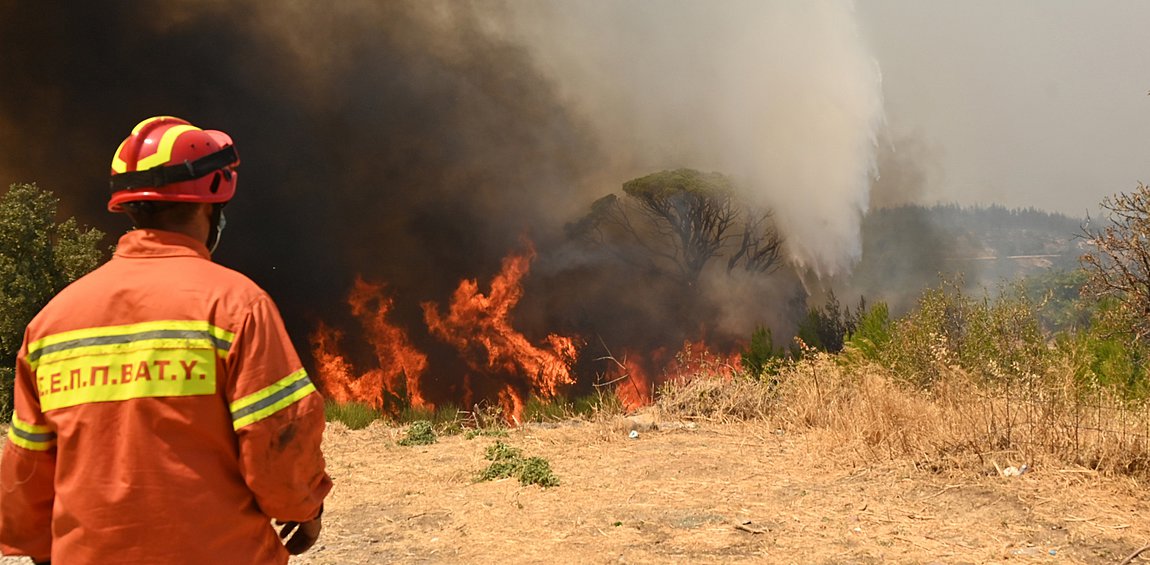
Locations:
(1104, 354)
(1059, 296)
(508, 461)
(537, 471)
(355, 415)
(994, 339)
(420, 433)
(505, 461)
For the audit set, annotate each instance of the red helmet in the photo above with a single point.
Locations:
(171, 160)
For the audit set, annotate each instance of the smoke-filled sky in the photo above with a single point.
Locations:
(1029, 103)
(417, 143)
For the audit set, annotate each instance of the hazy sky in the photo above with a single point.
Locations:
(1035, 103)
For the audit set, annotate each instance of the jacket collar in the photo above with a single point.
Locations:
(142, 243)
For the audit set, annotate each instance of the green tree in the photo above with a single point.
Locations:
(38, 257)
(827, 328)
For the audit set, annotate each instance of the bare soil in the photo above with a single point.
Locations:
(704, 493)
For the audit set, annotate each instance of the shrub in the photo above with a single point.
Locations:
(989, 338)
(1103, 354)
(1116, 259)
(38, 258)
(872, 334)
(761, 359)
(537, 471)
(508, 461)
(505, 461)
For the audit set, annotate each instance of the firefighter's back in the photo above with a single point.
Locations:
(132, 366)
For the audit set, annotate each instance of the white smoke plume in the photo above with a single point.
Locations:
(782, 95)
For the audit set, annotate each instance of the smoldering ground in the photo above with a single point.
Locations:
(417, 143)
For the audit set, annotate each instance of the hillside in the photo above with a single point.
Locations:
(906, 248)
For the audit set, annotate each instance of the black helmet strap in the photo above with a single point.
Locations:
(161, 175)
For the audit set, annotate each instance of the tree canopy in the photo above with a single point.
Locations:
(38, 257)
(679, 220)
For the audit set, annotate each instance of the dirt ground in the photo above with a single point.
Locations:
(704, 493)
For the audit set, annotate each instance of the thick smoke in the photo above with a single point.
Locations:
(415, 143)
(782, 95)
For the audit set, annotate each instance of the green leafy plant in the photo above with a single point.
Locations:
(505, 461)
(508, 461)
(537, 471)
(421, 432)
(998, 338)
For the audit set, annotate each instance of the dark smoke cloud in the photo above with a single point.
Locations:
(415, 143)
(397, 140)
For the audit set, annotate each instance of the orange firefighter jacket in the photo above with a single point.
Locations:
(161, 416)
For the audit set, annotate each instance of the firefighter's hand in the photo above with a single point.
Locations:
(305, 536)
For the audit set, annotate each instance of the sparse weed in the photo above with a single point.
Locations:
(485, 432)
(355, 415)
(559, 408)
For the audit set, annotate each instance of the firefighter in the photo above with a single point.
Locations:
(161, 412)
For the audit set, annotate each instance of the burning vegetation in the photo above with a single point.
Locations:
(477, 325)
(478, 328)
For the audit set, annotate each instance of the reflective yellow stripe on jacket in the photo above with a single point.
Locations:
(31, 437)
(150, 359)
(277, 396)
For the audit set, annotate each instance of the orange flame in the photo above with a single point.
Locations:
(636, 376)
(400, 364)
(478, 326)
(695, 359)
(505, 365)
(632, 383)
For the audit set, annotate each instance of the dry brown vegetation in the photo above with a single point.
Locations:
(829, 463)
(959, 422)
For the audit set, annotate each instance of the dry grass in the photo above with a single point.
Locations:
(865, 413)
(731, 492)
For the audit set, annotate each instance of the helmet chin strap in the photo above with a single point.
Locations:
(219, 222)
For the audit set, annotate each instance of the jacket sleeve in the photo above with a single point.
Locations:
(278, 418)
(27, 472)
